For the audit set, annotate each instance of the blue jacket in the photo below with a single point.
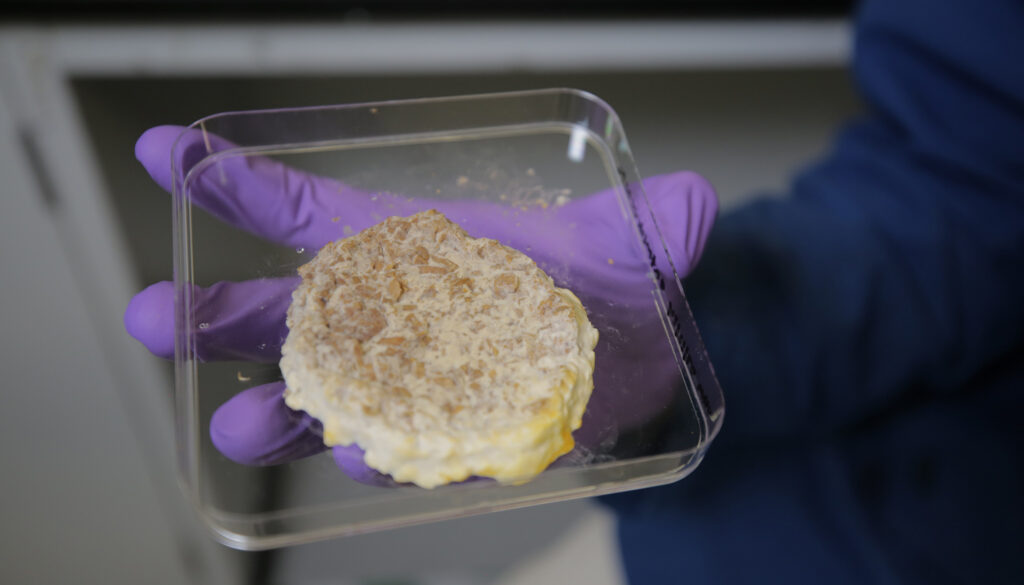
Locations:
(868, 332)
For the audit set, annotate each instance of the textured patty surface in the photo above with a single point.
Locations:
(441, 355)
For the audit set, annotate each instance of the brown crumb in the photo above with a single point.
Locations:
(394, 290)
(505, 284)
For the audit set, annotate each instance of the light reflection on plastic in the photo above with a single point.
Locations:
(577, 144)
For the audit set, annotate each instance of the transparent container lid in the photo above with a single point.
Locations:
(539, 171)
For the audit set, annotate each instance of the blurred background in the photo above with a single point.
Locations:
(743, 92)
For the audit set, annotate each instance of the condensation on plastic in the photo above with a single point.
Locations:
(535, 149)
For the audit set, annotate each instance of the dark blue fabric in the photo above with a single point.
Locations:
(868, 332)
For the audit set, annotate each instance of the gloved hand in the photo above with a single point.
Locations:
(635, 373)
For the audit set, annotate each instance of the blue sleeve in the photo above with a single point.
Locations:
(894, 270)
(868, 332)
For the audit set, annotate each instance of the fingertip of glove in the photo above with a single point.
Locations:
(156, 141)
(690, 189)
(686, 206)
(256, 427)
(702, 190)
(149, 318)
(702, 204)
(350, 459)
(153, 151)
(237, 427)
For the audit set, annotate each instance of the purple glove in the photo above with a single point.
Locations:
(597, 257)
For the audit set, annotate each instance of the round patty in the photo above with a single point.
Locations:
(441, 355)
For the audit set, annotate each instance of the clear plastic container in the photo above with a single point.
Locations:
(528, 157)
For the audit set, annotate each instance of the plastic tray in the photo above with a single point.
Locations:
(529, 155)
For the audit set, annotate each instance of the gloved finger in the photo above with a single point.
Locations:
(255, 193)
(289, 206)
(591, 246)
(684, 206)
(256, 427)
(242, 321)
(350, 460)
(295, 208)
